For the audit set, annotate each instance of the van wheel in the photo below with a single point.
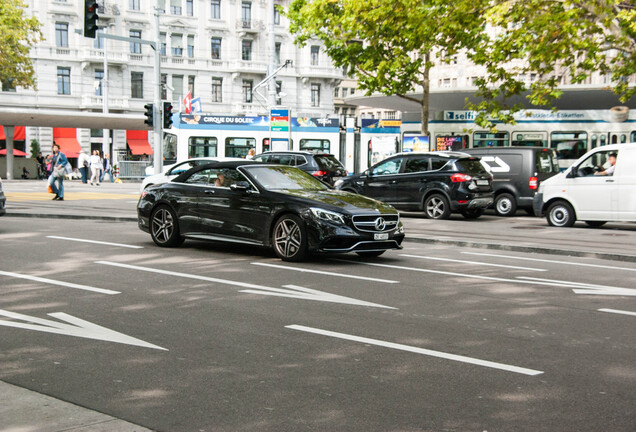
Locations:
(561, 214)
(505, 205)
(436, 206)
(595, 224)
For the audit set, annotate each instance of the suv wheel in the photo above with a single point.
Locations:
(436, 206)
(505, 205)
(561, 214)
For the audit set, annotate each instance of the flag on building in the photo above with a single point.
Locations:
(195, 105)
(187, 103)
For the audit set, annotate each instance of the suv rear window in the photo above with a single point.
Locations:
(470, 166)
(546, 162)
(328, 162)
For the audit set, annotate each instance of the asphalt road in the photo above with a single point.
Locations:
(210, 337)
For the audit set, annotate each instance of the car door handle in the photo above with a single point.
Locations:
(209, 191)
(609, 181)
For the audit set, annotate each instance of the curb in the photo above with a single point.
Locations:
(461, 243)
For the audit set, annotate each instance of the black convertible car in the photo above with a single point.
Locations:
(271, 205)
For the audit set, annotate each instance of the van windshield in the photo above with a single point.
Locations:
(546, 162)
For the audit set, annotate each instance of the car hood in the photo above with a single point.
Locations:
(340, 200)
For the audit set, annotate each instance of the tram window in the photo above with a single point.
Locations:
(486, 139)
(321, 145)
(202, 147)
(633, 137)
(238, 146)
(594, 141)
(169, 149)
(530, 139)
(603, 140)
(569, 145)
(623, 138)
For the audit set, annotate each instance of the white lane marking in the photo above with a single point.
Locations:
(292, 291)
(96, 242)
(417, 350)
(473, 262)
(550, 261)
(59, 283)
(76, 328)
(304, 270)
(616, 311)
(582, 287)
(585, 288)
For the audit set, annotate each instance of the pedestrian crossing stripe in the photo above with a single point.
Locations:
(68, 196)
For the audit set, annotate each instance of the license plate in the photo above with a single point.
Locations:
(482, 182)
(381, 236)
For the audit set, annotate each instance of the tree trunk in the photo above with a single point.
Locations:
(426, 93)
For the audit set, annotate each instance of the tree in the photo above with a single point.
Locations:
(389, 46)
(549, 40)
(18, 33)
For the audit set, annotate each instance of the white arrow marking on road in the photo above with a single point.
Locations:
(59, 283)
(590, 289)
(304, 270)
(616, 311)
(292, 291)
(77, 328)
(95, 242)
(417, 350)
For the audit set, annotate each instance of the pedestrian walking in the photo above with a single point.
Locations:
(42, 174)
(96, 167)
(83, 162)
(58, 170)
(108, 168)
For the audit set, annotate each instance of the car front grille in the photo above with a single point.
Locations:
(376, 223)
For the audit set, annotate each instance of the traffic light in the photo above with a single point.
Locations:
(167, 115)
(149, 114)
(90, 18)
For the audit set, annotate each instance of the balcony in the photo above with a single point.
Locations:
(324, 72)
(250, 26)
(96, 102)
(96, 55)
(248, 66)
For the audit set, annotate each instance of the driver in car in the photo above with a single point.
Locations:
(610, 169)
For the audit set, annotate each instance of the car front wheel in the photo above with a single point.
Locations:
(164, 227)
(561, 214)
(289, 238)
(437, 207)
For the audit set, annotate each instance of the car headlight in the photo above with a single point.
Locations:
(327, 216)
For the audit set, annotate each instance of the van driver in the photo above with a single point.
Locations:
(609, 170)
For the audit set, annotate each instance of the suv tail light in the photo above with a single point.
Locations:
(319, 173)
(458, 178)
(533, 183)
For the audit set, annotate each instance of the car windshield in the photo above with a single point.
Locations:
(283, 178)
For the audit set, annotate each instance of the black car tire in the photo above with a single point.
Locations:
(289, 238)
(596, 224)
(472, 213)
(436, 206)
(164, 227)
(370, 254)
(561, 214)
(505, 205)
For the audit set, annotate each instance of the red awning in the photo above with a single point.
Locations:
(18, 133)
(138, 142)
(139, 147)
(16, 152)
(69, 146)
(66, 139)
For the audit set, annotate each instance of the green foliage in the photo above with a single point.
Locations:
(35, 148)
(18, 33)
(391, 46)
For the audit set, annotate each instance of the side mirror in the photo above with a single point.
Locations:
(240, 186)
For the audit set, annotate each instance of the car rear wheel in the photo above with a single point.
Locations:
(289, 238)
(437, 207)
(505, 205)
(561, 214)
(164, 227)
(596, 224)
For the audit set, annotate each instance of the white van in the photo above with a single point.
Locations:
(599, 187)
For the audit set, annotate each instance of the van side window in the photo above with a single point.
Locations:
(417, 164)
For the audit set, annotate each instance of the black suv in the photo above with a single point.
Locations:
(436, 182)
(323, 166)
